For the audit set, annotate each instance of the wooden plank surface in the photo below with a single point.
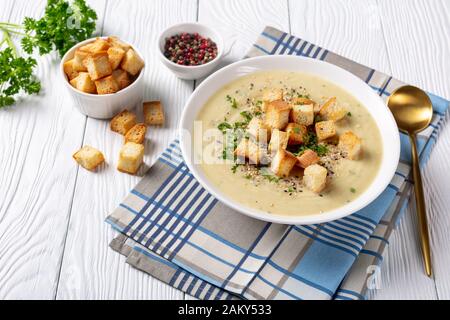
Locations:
(417, 34)
(90, 268)
(37, 177)
(53, 239)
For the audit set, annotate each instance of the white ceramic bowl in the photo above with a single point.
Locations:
(104, 106)
(190, 72)
(344, 79)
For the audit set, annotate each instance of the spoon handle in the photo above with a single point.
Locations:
(420, 206)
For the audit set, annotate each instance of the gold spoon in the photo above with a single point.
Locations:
(412, 110)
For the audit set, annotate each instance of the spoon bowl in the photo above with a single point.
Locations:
(412, 109)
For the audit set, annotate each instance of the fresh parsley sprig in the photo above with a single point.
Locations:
(63, 25)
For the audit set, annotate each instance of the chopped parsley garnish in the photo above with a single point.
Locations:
(232, 101)
(234, 167)
(267, 174)
(349, 114)
(352, 190)
(247, 116)
(224, 126)
(310, 142)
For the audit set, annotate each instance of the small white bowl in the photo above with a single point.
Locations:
(190, 72)
(349, 82)
(104, 106)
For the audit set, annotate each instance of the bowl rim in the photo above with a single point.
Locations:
(378, 185)
(93, 95)
(163, 35)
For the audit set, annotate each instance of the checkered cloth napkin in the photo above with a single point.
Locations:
(173, 229)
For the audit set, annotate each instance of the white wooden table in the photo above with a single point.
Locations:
(53, 239)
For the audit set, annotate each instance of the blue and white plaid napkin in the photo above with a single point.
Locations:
(173, 229)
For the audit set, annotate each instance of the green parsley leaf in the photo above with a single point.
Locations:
(63, 25)
(232, 101)
(224, 126)
(16, 75)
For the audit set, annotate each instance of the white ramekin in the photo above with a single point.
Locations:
(104, 106)
(190, 72)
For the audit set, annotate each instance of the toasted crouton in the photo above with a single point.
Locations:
(277, 114)
(302, 114)
(115, 55)
(116, 42)
(270, 95)
(282, 163)
(315, 178)
(136, 134)
(332, 111)
(153, 113)
(131, 157)
(89, 157)
(99, 45)
(325, 129)
(132, 63)
(86, 47)
(107, 85)
(302, 100)
(123, 122)
(78, 60)
(83, 82)
(307, 158)
(278, 140)
(259, 130)
(69, 71)
(249, 149)
(351, 144)
(296, 132)
(122, 78)
(98, 65)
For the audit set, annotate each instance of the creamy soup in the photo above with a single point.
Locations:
(258, 185)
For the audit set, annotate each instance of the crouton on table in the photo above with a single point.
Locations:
(302, 114)
(132, 63)
(307, 158)
(107, 85)
(89, 157)
(331, 110)
(131, 157)
(153, 113)
(259, 130)
(123, 122)
(136, 134)
(282, 163)
(278, 140)
(122, 78)
(296, 133)
(69, 70)
(98, 65)
(351, 144)
(84, 83)
(249, 149)
(315, 178)
(277, 114)
(325, 129)
(115, 55)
